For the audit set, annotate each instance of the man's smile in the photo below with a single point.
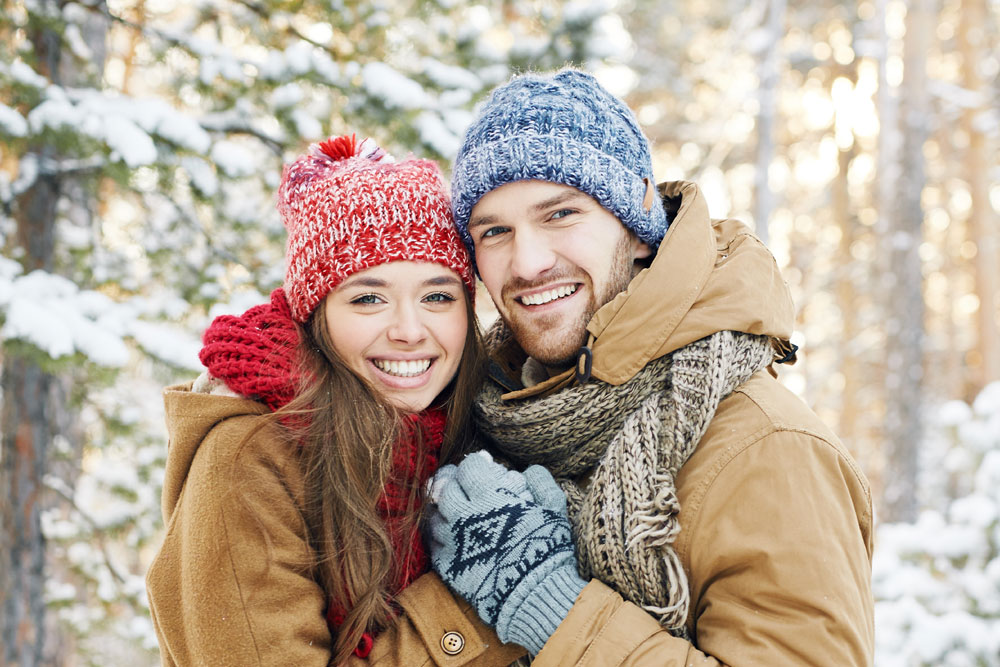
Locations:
(548, 295)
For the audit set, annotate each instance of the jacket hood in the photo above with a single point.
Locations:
(707, 276)
(190, 416)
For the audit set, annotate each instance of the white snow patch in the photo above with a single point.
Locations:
(451, 76)
(436, 134)
(234, 159)
(167, 342)
(129, 141)
(286, 96)
(183, 130)
(21, 72)
(394, 89)
(307, 127)
(202, 175)
(12, 122)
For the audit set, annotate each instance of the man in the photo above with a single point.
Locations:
(718, 520)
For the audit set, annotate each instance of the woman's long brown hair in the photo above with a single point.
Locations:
(346, 431)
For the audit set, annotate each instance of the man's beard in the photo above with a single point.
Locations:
(559, 351)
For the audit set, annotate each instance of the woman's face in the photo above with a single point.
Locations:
(402, 327)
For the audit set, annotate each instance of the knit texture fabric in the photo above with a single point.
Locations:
(502, 540)
(563, 128)
(254, 354)
(633, 439)
(347, 206)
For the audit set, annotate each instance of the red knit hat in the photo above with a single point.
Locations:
(349, 206)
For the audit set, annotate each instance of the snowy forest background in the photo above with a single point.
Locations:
(141, 142)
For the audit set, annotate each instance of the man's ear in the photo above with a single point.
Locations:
(640, 250)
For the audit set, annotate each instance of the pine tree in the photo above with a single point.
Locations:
(142, 144)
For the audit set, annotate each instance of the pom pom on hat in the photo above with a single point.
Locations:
(349, 206)
(563, 128)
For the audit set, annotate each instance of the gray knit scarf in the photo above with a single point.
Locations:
(616, 452)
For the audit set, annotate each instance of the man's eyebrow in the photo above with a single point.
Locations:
(561, 198)
(478, 221)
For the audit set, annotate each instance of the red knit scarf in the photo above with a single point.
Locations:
(254, 354)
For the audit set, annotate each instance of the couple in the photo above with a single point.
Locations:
(650, 496)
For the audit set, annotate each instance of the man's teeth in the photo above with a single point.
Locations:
(549, 295)
(403, 369)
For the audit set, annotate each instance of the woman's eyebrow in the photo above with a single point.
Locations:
(446, 281)
(364, 281)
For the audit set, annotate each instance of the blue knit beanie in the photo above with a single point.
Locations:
(563, 128)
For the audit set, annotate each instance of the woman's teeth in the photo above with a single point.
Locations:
(548, 295)
(403, 369)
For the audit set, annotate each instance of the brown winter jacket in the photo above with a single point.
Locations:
(230, 584)
(776, 517)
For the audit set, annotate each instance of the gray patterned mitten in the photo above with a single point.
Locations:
(501, 540)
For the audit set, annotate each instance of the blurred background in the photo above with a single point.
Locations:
(141, 142)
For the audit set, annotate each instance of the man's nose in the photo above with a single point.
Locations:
(533, 256)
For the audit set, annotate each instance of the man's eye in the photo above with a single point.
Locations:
(562, 213)
(366, 299)
(493, 231)
(439, 297)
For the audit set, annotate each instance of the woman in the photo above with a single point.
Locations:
(297, 464)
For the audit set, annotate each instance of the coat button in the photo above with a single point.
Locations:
(452, 643)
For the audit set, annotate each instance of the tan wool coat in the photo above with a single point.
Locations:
(231, 585)
(776, 516)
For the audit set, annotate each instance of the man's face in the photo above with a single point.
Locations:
(550, 256)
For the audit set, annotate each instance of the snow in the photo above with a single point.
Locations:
(202, 175)
(937, 581)
(127, 141)
(287, 95)
(451, 76)
(987, 403)
(122, 123)
(168, 342)
(26, 76)
(11, 122)
(436, 134)
(234, 159)
(240, 302)
(394, 89)
(306, 126)
(54, 315)
(183, 130)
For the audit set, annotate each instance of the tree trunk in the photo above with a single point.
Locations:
(982, 220)
(32, 407)
(26, 435)
(768, 99)
(26, 431)
(849, 362)
(905, 326)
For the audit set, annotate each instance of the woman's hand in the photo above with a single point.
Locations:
(501, 539)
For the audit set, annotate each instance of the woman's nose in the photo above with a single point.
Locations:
(407, 326)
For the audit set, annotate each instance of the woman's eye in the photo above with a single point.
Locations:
(366, 299)
(439, 297)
